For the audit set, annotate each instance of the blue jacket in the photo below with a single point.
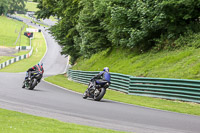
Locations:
(104, 75)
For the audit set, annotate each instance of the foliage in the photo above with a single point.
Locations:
(90, 26)
(10, 6)
(92, 36)
(65, 31)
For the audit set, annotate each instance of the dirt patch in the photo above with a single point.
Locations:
(6, 51)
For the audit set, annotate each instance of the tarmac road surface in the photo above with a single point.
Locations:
(51, 101)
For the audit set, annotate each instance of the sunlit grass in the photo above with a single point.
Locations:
(38, 43)
(31, 6)
(180, 64)
(9, 32)
(15, 122)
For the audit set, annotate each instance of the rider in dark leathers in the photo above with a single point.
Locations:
(36, 68)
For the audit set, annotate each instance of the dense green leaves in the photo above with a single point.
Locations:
(89, 26)
(10, 6)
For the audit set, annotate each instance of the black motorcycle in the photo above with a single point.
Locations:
(30, 84)
(96, 91)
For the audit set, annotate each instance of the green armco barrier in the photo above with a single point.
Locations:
(174, 89)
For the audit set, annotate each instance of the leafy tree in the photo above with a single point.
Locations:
(88, 26)
(10, 6)
(92, 36)
(65, 31)
(3, 6)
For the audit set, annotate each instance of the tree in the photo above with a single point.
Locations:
(4, 6)
(10, 6)
(89, 26)
(65, 31)
(92, 35)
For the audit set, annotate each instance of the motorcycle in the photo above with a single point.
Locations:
(30, 84)
(96, 91)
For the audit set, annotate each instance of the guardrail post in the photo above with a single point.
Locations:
(129, 84)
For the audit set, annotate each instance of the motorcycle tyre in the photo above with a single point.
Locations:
(34, 83)
(100, 96)
(85, 95)
(23, 85)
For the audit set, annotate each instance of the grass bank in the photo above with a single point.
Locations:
(9, 32)
(31, 6)
(5, 58)
(39, 45)
(15, 122)
(175, 106)
(182, 63)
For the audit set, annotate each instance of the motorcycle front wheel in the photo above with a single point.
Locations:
(85, 94)
(33, 84)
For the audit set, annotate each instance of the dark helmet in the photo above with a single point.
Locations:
(106, 69)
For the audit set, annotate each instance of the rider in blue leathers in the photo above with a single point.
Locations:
(103, 77)
(100, 80)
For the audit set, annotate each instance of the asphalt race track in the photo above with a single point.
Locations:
(51, 101)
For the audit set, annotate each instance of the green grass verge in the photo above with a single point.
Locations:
(4, 58)
(175, 106)
(53, 18)
(9, 32)
(181, 64)
(31, 6)
(38, 43)
(23, 16)
(15, 122)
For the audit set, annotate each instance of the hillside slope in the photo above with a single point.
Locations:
(182, 63)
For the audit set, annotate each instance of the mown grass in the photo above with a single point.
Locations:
(9, 32)
(53, 18)
(181, 63)
(15, 122)
(4, 58)
(31, 6)
(38, 43)
(23, 16)
(175, 106)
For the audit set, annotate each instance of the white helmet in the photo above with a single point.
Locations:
(106, 69)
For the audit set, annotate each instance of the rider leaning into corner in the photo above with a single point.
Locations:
(102, 78)
(36, 68)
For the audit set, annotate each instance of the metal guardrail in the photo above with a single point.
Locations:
(174, 89)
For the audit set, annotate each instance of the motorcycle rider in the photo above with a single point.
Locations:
(36, 68)
(101, 79)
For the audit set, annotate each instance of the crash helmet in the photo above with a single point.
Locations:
(40, 64)
(106, 69)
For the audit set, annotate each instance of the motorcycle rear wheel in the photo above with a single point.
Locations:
(101, 94)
